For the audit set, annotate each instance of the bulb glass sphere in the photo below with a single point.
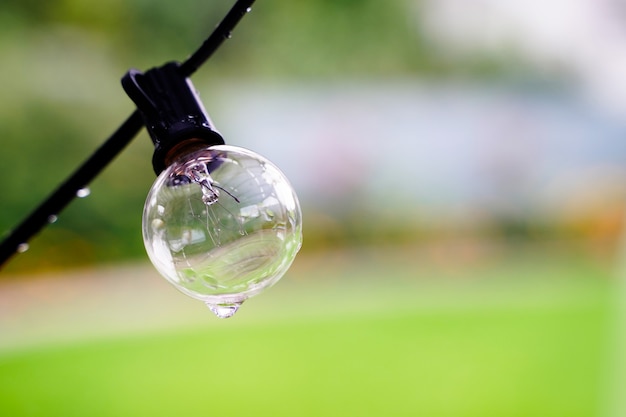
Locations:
(222, 224)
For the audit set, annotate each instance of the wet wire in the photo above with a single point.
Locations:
(66, 192)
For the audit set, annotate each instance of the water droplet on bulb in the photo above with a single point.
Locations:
(52, 218)
(22, 247)
(83, 192)
(224, 311)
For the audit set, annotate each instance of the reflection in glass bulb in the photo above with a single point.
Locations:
(222, 224)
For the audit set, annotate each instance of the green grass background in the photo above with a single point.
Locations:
(522, 336)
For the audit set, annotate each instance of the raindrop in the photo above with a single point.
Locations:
(52, 218)
(23, 247)
(249, 9)
(83, 192)
(224, 311)
(229, 35)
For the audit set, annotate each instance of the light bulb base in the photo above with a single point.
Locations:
(172, 111)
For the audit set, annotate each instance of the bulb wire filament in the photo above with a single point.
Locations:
(198, 173)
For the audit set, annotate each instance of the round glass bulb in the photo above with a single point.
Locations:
(222, 224)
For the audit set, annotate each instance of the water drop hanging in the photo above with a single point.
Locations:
(224, 311)
(83, 192)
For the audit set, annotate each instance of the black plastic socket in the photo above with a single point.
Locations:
(171, 109)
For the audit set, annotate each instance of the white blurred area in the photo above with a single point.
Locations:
(549, 144)
(584, 40)
(427, 152)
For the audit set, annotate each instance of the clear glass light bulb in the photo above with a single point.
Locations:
(222, 224)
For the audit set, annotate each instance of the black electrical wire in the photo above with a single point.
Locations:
(62, 196)
(220, 34)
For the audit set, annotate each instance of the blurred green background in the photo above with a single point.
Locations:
(461, 168)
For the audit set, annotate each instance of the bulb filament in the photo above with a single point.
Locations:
(216, 215)
(199, 174)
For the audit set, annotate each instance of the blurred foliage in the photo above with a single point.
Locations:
(62, 60)
(308, 38)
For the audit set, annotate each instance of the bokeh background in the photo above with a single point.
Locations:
(461, 166)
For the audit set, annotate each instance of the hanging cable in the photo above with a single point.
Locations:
(67, 191)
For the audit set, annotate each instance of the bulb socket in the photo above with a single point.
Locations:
(172, 111)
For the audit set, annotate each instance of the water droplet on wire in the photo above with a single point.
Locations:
(22, 247)
(83, 192)
(52, 218)
(249, 9)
